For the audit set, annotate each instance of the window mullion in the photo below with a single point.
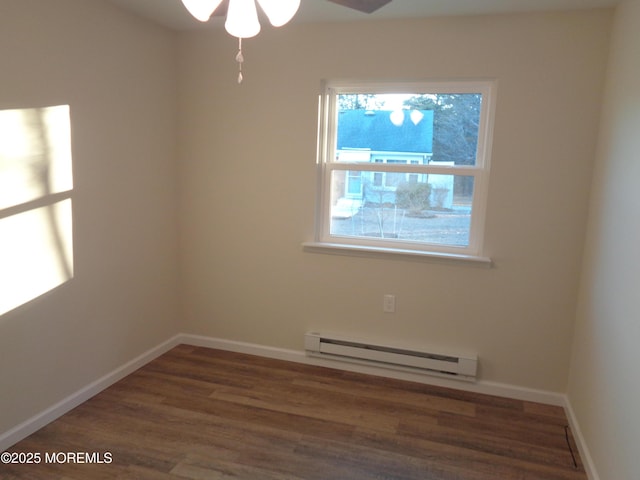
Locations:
(381, 167)
(405, 168)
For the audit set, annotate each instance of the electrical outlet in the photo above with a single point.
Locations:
(389, 303)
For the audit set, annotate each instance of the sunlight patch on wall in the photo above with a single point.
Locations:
(36, 184)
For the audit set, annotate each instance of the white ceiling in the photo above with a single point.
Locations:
(172, 14)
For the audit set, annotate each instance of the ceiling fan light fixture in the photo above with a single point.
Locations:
(242, 19)
(201, 9)
(279, 12)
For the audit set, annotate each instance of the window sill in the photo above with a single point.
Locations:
(394, 253)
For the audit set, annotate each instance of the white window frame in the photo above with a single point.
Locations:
(327, 164)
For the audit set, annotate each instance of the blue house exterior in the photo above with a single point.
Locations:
(408, 131)
(381, 136)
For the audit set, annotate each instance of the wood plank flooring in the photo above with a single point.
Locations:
(197, 413)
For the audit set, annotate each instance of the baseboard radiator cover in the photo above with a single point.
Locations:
(335, 347)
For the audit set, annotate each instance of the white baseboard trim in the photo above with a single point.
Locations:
(26, 428)
(484, 387)
(585, 454)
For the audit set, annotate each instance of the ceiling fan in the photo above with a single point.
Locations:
(365, 6)
(242, 16)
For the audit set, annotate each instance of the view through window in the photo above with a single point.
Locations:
(36, 252)
(405, 166)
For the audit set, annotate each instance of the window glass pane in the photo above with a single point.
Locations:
(36, 253)
(35, 154)
(421, 127)
(354, 184)
(424, 208)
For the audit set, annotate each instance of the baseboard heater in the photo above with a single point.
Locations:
(387, 356)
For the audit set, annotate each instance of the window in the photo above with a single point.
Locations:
(404, 167)
(35, 203)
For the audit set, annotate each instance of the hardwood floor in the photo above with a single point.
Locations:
(198, 413)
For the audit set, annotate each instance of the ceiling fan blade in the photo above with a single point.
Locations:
(221, 11)
(366, 6)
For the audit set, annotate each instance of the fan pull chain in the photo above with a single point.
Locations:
(240, 60)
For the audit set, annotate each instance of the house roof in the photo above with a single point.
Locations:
(386, 130)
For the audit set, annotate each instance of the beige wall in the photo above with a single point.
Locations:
(248, 177)
(118, 75)
(604, 388)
